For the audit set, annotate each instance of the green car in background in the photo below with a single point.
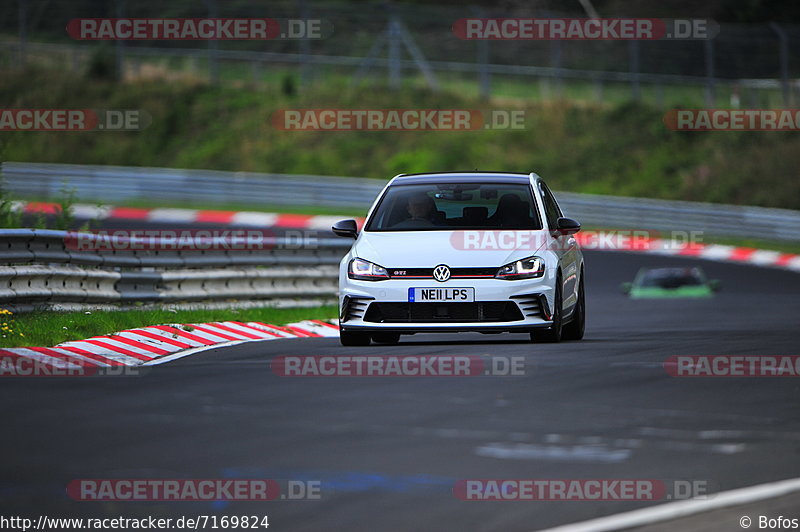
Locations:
(671, 283)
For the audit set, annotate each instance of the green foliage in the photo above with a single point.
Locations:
(63, 220)
(621, 149)
(9, 217)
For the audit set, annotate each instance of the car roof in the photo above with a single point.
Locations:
(461, 177)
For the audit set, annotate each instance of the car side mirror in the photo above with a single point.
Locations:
(567, 226)
(346, 228)
(715, 285)
(626, 288)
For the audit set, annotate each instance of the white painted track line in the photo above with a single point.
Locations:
(674, 510)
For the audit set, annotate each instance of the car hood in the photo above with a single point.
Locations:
(426, 249)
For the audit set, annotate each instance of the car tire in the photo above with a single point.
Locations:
(386, 338)
(575, 328)
(552, 334)
(354, 338)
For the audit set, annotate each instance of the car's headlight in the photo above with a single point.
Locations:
(529, 268)
(363, 270)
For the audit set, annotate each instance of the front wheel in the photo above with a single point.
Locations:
(353, 338)
(552, 334)
(574, 329)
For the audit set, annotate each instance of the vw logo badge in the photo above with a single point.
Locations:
(441, 273)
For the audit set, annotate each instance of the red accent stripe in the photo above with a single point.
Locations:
(61, 356)
(293, 220)
(234, 331)
(179, 332)
(326, 324)
(134, 343)
(741, 253)
(217, 217)
(93, 356)
(154, 336)
(221, 335)
(130, 213)
(117, 349)
(257, 329)
(42, 207)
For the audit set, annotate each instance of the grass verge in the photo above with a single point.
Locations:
(45, 329)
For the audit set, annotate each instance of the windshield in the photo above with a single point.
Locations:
(452, 206)
(671, 278)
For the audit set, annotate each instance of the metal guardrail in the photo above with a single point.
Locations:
(741, 221)
(115, 184)
(39, 266)
(120, 183)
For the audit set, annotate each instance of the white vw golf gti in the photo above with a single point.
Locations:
(465, 251)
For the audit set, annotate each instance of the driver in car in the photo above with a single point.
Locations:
(421, 210)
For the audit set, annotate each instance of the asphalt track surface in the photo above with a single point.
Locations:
(388, 450)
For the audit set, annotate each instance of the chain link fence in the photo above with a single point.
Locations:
(745, 65)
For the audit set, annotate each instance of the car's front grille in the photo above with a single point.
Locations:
(484, 311)
(354, 307)
(533, 305)
(455, 273)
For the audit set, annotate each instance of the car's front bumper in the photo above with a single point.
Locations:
(533, 298)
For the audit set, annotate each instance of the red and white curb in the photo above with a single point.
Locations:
(162, 343)
(188, 216)
(714, 252)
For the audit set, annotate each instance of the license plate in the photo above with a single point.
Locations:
(441, 295)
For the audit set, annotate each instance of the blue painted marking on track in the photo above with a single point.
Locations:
(351, 481)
